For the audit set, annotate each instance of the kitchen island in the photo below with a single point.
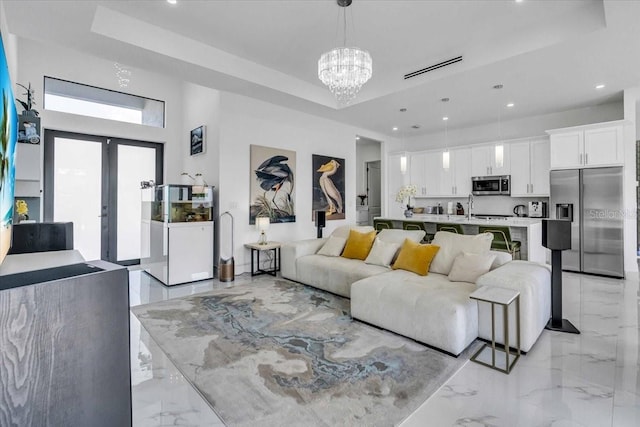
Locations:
(526, 230)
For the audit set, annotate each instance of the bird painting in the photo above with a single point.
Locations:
(331, 193)
(275, 178)
(328, 186)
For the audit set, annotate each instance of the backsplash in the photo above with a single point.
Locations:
(489, 205)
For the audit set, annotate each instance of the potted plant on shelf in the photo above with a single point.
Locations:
(406, 192)
(29, 103)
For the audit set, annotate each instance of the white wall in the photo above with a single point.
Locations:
(245, 121)
(37, 60)
(201, 107)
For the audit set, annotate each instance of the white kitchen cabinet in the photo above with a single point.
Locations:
(530, 168)
(417, 172)
(456, 181)
(433, 166)
(587, 146)
(483, 159)
(540, 167)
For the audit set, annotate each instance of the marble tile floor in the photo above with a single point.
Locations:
(591, 379)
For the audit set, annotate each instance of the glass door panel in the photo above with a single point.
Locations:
(77, 194)
(135, 164)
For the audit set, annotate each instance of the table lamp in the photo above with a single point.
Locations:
(262, 224)
(556, 235)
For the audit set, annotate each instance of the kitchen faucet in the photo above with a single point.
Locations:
(470, 203)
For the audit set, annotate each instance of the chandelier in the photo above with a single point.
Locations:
(345, 69)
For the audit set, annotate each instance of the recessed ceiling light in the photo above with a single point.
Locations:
(415, 126)
(511, 104)
(519, 1)
(403, 110)
(357, 138)
(172, 1)
(395, 128)
(600, 86)
(445, 118)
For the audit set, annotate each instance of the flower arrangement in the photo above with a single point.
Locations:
(406, 192)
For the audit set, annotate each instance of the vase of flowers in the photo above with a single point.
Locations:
(405, 193)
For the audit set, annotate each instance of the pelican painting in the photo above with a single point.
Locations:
(272, 195)
(328, 186)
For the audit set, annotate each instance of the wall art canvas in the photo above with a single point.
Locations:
(198, 140)
(8, 138)
(29, 129)
(272, 184)
(328, 186)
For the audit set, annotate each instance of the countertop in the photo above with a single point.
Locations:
(462, 219)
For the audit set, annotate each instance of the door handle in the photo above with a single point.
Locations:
(586, 158)
(580, 158)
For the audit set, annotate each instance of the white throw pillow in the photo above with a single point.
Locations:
(452, 245)
(501, 259)
(382, 253)
(467, 267)
(333, 246)
(343, 230)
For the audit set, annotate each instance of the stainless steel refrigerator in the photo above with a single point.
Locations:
(592, 200)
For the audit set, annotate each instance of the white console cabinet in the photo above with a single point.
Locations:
(587, 146)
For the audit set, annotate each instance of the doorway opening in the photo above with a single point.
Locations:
(94, 182)
(368, 179)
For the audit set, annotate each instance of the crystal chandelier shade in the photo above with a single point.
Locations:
(344, 70)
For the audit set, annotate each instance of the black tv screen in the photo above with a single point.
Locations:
(8, 138)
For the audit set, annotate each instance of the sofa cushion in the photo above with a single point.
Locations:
(334, 274)
(415, 257)
(358, 245)
(453, 244)
(501, 259)
(343, 230)
(467, 267)
(382, 253)
(333, 247)
(431, 309)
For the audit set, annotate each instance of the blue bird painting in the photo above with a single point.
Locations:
(275, 178)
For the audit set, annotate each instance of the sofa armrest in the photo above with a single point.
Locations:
(533, 281)
(291, 251)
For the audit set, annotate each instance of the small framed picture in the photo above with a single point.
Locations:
(198, 140)
(29, 129)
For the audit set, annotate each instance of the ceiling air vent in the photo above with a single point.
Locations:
(433, 67)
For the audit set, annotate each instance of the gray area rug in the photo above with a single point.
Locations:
(278, 353)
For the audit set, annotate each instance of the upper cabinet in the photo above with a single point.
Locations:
(483, 159)
(530, 168)
(417, 173)
(587, 146)
(456, 180)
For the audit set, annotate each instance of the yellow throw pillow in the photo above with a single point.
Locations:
(415, 257)
(358, 245)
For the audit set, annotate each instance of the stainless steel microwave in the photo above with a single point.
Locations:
(491, 185)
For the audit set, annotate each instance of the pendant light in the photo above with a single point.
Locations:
(345, 69)
(499, 148)
(445, 153)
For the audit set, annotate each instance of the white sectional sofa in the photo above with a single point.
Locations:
(431, 309)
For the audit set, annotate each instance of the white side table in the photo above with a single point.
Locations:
(256, 248)
(503, 297)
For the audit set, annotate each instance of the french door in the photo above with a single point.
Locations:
(94, 182)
